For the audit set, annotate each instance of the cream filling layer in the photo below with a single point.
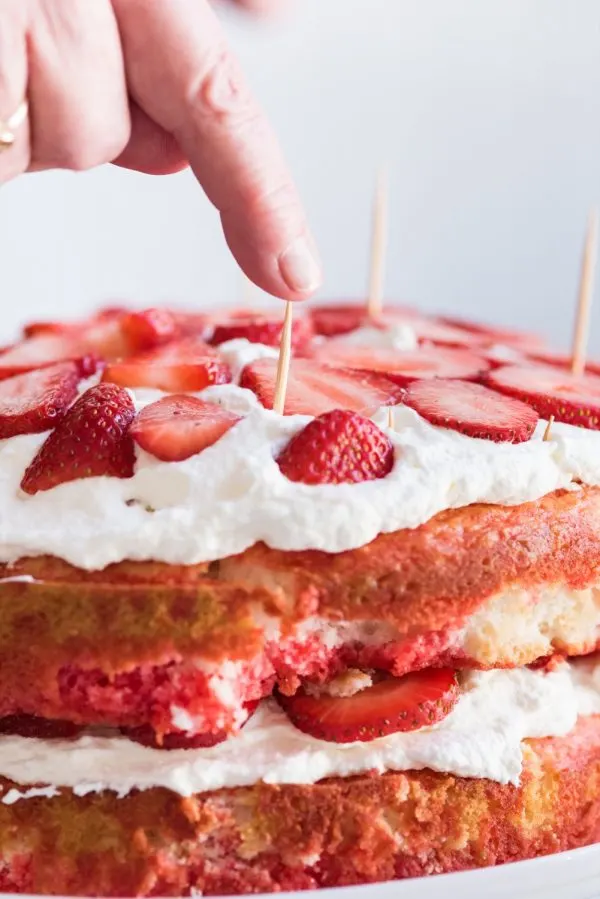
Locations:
(481, 737)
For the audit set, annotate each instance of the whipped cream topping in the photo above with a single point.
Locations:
(394, 335)
(233, 494)
(481, 737)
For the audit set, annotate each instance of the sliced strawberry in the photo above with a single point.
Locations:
(147, 736)
(261, 329)
(332, 319)
(313, 388)
(185, 366)
(105, 337)
(403, 366)
(389, 706)
(148, 329)
(44, 350)
(561, 360)
(191, 324)
(338, 447)
(473, 410)
(523, 340)
(497, 356)
(36, 401)
(570, 398)
(115, 311)
(428, 330)
(91, 440)
(34, 328)
(177, 427)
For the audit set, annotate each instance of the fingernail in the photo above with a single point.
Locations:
(300, 267)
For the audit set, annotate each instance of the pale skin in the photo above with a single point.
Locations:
(151, 85)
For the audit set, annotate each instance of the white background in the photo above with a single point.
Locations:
(487, 110)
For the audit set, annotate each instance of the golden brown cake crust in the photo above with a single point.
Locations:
(268, 838)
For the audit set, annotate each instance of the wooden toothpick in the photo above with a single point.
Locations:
(379, 238)
(283, 365)
(390, 418)
(548, 432)
(584, 300)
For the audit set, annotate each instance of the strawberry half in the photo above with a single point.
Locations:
(339, 447)
(36, 401)
(91, 440)
(185, 366)
(404, 366)
(260, 329)
(314, 389)
(570, 398)
(44, 350)
(177, 427)
(396, 704)
(473, 410)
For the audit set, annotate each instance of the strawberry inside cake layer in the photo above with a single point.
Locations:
(481, 736)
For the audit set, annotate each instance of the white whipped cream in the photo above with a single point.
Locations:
(481, 737)
(240, 352)
(233, 494)
(396, 335)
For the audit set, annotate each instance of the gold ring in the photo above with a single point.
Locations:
(9, 128)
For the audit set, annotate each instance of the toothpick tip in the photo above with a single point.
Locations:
(548, 432)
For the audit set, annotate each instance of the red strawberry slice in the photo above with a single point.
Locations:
(338, 447)
(42, 327)
(36, 401)
(191, 324)
(261, 329)
(314, 389)
(148, 329)
(430, 331)
(392, 705)
(147, 736)
(332, 319)
(404, 366)
(561, 360)
(177, 427)
(523, 340)
(473, 410)
(574, 399)
(185, 366)
(91, 440)
(44, 350)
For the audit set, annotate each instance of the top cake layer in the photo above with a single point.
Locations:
(233, 494)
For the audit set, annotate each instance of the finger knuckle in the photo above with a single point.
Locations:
(89, 147)
(219, 90)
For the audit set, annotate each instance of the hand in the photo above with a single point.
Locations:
(152, 85)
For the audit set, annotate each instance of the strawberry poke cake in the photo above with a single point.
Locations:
(245, 652)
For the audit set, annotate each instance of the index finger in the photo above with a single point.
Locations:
(182, 73)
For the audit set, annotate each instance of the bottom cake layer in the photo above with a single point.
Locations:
(276, 838)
